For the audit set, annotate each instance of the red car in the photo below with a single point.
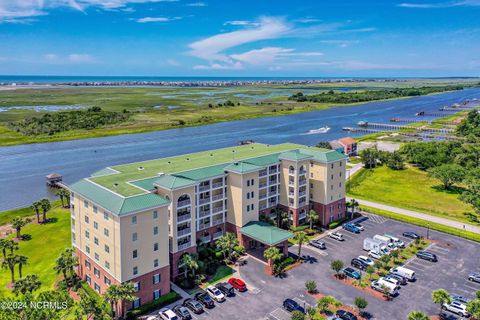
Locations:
(238, 284)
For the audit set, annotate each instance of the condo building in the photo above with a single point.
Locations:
(134, 222)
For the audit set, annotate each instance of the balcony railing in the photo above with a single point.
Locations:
(291, 183)
(302, 172)
(291, 172)
(204, 188)
(302, 203)
(217, 222)
(184, 232)
(217, 209)
(184, 217)
(205, 239)
(302, 216)
(184, 245)
(183, 203)
(262, 206)
(262, 173)
(272, 193)
(262, 185)
(217, 185)
(302, 193)
(262, 196)
(302, 182)
(271, 171)
(203, 213)
(217, 235)
(217, 197)
(204, 200)
(203, 226)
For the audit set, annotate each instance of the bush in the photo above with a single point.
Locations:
(299, 228)
(281, 265)
(297, 315)
(334, 224)
(311, 286)
(168, 298)
(240, 250)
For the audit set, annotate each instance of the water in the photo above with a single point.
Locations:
(23, 168)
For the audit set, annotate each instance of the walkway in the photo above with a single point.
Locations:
(424, 216)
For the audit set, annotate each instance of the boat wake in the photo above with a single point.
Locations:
(319, 130)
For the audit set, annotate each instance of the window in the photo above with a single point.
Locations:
(311, 185)
(251, 194)
(253, 182)
(73, 237)
(331, 177)
(156, 278)
(332, 165)
(96, 272)
(331, 187)
(155, 231)
(155, 246)
(95, 209)
(155, 214)
(87, 234)
(135, 254)
(97, 287)
(311, 174)
(155, 263)
(88, 279)
(134, 219)
(95, 240)
(96, 256)
(105, 216)
(137, 303)
(134, 236)
(311, 164)
(88, 265)
(107, 265)
(107, 249)
(87, 249)
(248, 195)
(340, 163)
(248, 207)
(106, 233)
(252, 206)
(248, 183)
(156, 294)
(95, 225)
(135, 271)
(85, 203)
(107, 281)
(86, 219)
(340, 184)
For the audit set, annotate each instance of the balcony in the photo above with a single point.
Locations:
(302, 216)
(302, 193)
(204, 200)
(302, 172)
(273, 181)
(262, 173)
(291, 172)
(272, 193)
(302, 182)
(272, 170)
(204, 188)
(262, 185)
(184, 217)
(291, 183)
(205, 239)
(217, 209)
(217, 221)
(262, 207)
(217, 197)
(217, 185)
(302, 203)
(184, 246)
(203, 213)
(183, 203)
(262, 196)
(203, 226)
(217, 235)
(184, 232)
(291, 194)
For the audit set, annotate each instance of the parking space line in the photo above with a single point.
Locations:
(440, 249)
(469, 285)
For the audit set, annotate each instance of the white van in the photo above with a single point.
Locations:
(404, 272)
(397, 242)
(380, 284)
(382, 239)
(371, 244)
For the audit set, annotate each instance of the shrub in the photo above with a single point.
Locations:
(334, 224)
(168, 298)
(311, 286)
(297, 315)
(299, 228)
(240, 250)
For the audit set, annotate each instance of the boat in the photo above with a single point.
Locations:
(319, 130)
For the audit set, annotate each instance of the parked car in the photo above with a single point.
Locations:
(345, 315)
(380, 284)
(401, 279)
(336, 235)
(446, 316)
(411, 235)
(167, 314)
(318, 244)
(226, 288)
(182, 312)
(474, 276)
(359, 226)
(397, 242)
(291, 305)
(193, 305)
(205, 300)
(366, 260)
(215, 294)
(358, 264)
(352, 273)
(425, 255)
(238, 284)
(391, 280)
(461, 299)
(350, 227)
(404, 272)
(457, 308)
(375, 254)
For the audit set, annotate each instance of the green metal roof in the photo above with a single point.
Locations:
(264, 160)
(324, 156)
(116, 203)
(147, 184)
(203, 173)
(265, 233)
(243, 167)
(173, 182)
(294, 155)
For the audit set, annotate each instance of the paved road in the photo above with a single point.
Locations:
(447, 222)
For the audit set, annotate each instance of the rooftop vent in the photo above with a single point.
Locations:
(188, 159)
(115, 184)
(141, 168)
(169, 162)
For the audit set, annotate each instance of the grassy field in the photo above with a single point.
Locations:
(46, 243)
(7, 216)
(411, 189)
(160, 108)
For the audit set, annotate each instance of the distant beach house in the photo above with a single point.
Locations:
(347, 146)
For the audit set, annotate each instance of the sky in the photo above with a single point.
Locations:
(303, 38)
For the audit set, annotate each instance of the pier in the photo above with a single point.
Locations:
(390, 127)
(409, 120)
(422, 134)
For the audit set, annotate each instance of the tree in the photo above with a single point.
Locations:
(189, 262)
(18, 223)
(46, 206)
(297, 315)
(311, 286)
(112, 295)
(283, 220)
(385, 259)
(417, 315)
(91, 307)
(36, 208)
(63, 194)
(395, 161)
(361, 303)
(473, 307)
(369, 157)
(394, 254)
(9, 263)
(28, 284)
(311, 313)
(448, 174)
(272, 254)
(324, 145)
(312, 217)
(301, 238)
(21, 261)
(227, 244)
(7, 244)
(66, 263)
(126, 294)
(370, 270)
(324, 303)
(336, 266)
(477, 294)
(353, 204)
(441, 297)
(472, 194)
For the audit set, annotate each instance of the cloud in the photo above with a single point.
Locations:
(270, 55)
(340, 43)
(439, 5)
(196, 4)
(80, 58)
(73, 58)
(157, 19)
(218, 66)
(307, 20)
(241, 23)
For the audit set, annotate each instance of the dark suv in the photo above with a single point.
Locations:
(205, 300)
(345, 315)
(291, 305)
(425, 255)
(357, 263)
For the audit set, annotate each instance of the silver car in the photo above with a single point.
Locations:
(474, 276)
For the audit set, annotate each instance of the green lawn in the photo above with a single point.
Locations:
(410, 189)
(222, 273)
(7, 216)
(47, 241)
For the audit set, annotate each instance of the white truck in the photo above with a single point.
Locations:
(404, 272)
(370, 244)
(397, 242)
(384, 240)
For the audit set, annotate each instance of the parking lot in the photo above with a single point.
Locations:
(457, 258)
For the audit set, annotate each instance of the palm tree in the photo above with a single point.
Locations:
(36, 208)
(417, 315)
(126, 294)
(441, 296)
(28, 284)
(21, 261)
(301, 238)
(18, 223)
(312, 217)
(64, 195)
(8, 244)
(272, 254)
(9, 263)
(189, 262)
(284, 220)
(66, 263)
(112, 295)
(46, 206)
(227, 244)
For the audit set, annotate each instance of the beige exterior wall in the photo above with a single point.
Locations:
(327, 181)
(286, 189)
(237, 191)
